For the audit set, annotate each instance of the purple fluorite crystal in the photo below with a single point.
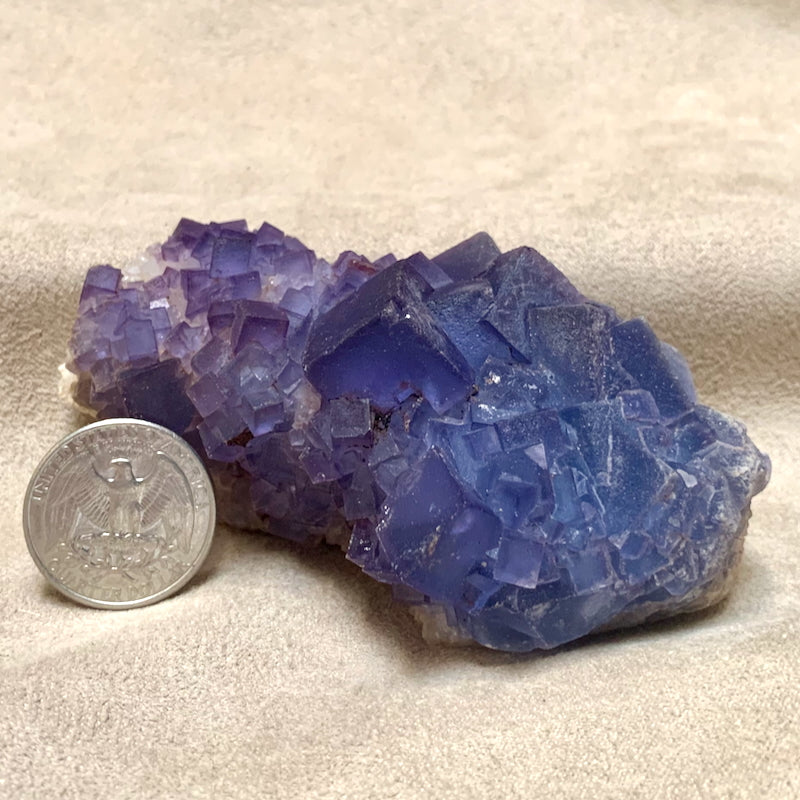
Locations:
(521, 464)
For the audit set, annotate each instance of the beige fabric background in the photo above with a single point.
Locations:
(651, 148)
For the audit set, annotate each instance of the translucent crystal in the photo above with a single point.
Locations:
(521, 464)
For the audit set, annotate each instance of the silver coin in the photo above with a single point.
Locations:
(119, 514)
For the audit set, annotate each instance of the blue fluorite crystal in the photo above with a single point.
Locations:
(522, 465)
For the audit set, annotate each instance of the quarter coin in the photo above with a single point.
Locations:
(119, 514)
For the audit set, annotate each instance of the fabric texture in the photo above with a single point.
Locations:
(650, 148)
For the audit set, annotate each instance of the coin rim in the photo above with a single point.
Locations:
(120, 605)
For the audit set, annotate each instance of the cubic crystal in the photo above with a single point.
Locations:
(521, 464)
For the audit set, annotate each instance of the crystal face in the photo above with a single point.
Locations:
(521, 464)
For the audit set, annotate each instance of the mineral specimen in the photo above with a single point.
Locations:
(522, 465)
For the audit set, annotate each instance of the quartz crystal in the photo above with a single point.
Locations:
(523, 466)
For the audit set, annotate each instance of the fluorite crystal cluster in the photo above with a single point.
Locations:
(522, 465)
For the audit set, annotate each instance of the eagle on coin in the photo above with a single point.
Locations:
(120, 518)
